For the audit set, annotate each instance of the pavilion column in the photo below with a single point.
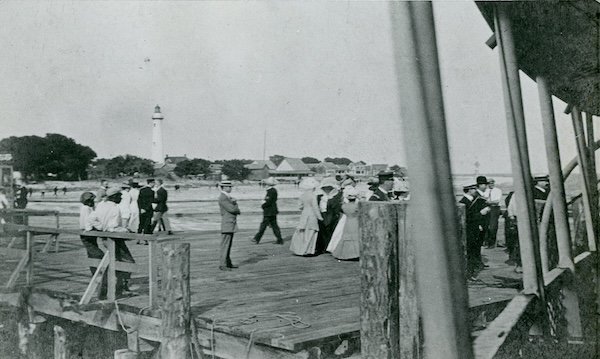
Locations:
(533, 281)
(582, 157)
(557, 186)
(441, 283)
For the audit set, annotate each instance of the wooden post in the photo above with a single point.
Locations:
(175, 307)
(582, 155)
(60, 343)
(152, 273)
(533, 281)
(112, 273)
(29, 268)
(379, 294)
(557, 186)
(125, 354)
(441, 282)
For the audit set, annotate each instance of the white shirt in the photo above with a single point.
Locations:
(512, 206)
(3, 201)
(485, 194)
(84, 214)
(495, 195)
(106, 217)
(125, 204)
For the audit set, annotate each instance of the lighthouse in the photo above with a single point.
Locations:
(157, 140)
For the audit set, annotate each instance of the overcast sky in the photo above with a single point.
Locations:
(317, 76)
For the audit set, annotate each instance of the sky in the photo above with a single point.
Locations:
(318, 77)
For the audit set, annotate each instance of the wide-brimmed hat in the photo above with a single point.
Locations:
(125, 185)
(541, 178)
(373, 181)
(150, 180)
(225, 184)
(330, 182)
(86, 196)
(348, 182)
(309, 183)
(270, 181)
(111, 191)
(350, 192)
(482, 180)
(469, 186)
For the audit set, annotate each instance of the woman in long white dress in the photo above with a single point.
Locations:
(304, 239)
(348, 246)
(134, 219)
(336, 237)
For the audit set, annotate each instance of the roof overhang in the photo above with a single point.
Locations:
(559, 40)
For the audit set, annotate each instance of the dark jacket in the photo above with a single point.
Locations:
(334, 209)
(146, 198)
(539, 194)
(270, 205)
(161, 200)
(379, 195)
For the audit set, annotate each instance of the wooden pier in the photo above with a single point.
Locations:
(276, 305)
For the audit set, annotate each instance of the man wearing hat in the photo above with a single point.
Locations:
(229, 212)
(270, 211)
(145, 200)
(160, 212)
(386, 184)
(495, 196)
(473, 221)
(481, 206)
(107, 218)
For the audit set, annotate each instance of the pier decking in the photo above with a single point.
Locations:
(275, 305)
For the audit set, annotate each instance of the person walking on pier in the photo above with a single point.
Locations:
(305, 237)
(90, 243)
(229, 212)
(481, 205)
(330, 205)
(473, 221)
(494, 203)
(134, 210)
(145, 200)
(125, 204)
(107, 218)
(160, 212)
(270, 211)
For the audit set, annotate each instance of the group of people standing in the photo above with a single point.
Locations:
(482, 202)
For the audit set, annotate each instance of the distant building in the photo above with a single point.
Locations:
(342, 169)
(167, 166)
(374, 169)
(260, 170)
(175, 159)
(357, 168)
(327, 168)
(292, 167)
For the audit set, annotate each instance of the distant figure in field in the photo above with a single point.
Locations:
(160, 212)
(101, 193)
(55, 191)
(21, 200)
(176, 187)
(304, 240)
(30, 191)
(229, 212)
(64, 191)
(270, 211)
(43, 193)
(145, 200)
(107, 218)
(134, 210)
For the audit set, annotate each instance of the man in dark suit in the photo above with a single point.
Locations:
(473, 222)
(229, 212)
(270, 211)
(542, 187)
(145, 200)
(330, 205)
(386, 184)
(160, 212)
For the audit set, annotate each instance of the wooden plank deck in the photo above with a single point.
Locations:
(274, 298)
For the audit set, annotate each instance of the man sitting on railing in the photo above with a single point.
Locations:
(107, 218)
(90, 243)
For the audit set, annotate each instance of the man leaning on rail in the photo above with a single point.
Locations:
(107, 218)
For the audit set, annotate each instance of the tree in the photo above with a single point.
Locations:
(235, 169)
(277, 159)
(339, 160)
(36, 156)
(126, 165)
(196, 166)
(310, 160)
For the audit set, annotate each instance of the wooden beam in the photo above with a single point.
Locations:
(491, 42)
(153, 273)
(12, 281)
(582, 155)
(112, 271)
(379, 265)
(96, 280)
(557, 186)
(175, 307)
(441, 283)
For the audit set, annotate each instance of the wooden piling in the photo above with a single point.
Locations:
(379, 295)
(175, 306)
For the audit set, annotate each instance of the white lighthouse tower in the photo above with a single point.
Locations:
(157, 140)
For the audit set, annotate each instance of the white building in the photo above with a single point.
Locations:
(157, 139)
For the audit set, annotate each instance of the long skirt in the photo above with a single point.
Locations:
(304, 242)
(336, 237)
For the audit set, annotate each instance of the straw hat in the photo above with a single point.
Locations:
(112, 191)
(225, 184)
(309, 183)
(330, 182)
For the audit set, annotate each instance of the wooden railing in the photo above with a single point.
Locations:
(108, 265)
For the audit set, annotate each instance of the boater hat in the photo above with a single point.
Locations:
(482, 180)
(470, 186)
(330, 182)
(225, 184)
(543, 178)
(385, 176)
(112, 191)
